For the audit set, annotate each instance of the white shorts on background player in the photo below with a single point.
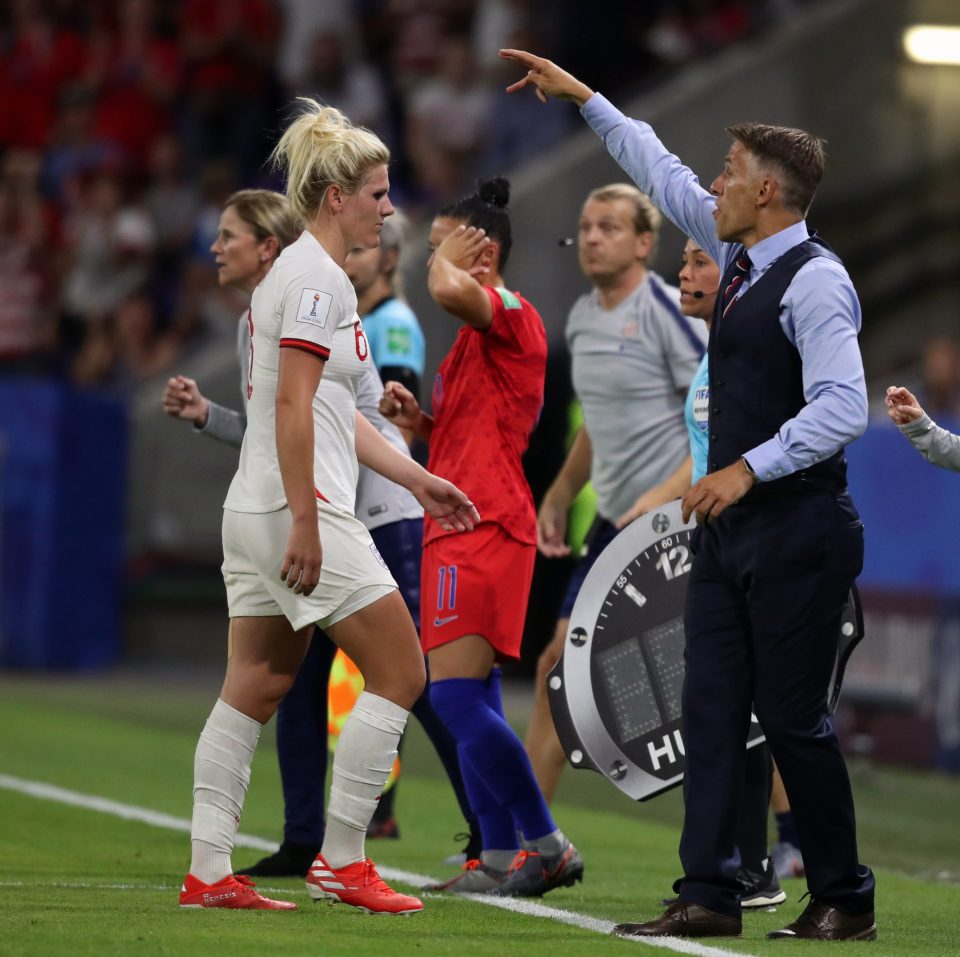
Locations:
(305, 302)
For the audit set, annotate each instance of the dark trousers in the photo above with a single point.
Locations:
(762, 618)
(302, 745)
(754, 810)
(302, 715)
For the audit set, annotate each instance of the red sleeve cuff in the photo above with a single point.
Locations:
(321, 352)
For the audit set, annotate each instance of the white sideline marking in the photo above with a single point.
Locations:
(130, 812)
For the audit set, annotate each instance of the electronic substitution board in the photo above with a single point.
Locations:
(615, 692)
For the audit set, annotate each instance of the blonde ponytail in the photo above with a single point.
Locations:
(322, 148)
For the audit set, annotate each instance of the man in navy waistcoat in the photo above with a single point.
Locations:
(780, 542)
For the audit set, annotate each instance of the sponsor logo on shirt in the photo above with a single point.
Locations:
(314, 307)
(440, 622)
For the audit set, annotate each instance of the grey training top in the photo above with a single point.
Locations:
(936, 445)
(222, 423)
(632, 366)
(379, 501)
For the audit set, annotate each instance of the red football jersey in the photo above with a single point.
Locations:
(487, 398)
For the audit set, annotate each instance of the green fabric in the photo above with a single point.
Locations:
(509, 300)
(583, 510)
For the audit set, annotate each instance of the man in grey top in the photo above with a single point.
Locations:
(937, 445)
(634, 357)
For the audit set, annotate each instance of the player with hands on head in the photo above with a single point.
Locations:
(297, 476)
(937, 445)
(486, 399)
(780, 542)
(389, 512)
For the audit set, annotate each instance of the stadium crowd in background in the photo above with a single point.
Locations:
(126, 125)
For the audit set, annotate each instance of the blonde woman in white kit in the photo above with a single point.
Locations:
(294, 554)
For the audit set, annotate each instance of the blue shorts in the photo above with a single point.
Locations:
(601, 534)
(401, 546)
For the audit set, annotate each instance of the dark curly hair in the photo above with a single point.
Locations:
(487, 210)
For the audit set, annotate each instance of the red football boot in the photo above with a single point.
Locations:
(233, 892)
(358, 885)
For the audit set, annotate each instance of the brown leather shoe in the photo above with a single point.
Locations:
(820, 921)
(684, 920)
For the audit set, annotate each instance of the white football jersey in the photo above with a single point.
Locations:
(305, 302)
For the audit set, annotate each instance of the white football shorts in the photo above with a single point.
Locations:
(352, 576)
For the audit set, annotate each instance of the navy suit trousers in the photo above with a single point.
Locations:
(767, 587)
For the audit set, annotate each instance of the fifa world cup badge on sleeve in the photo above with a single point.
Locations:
(314, 307)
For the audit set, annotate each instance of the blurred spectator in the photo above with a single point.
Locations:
(172, 201)
(228, 48)
(418, 30)
(348, 83)
(126, 346)
(218, 180)
(134, 75)
(668, 39)
(142, 116)
(203, 308)
(301, 21)
(40, 58)
(714, 24)
(109, 246)
(495, 24)
(74, 149)
(27, 325)
(508, 140)
(447, 123)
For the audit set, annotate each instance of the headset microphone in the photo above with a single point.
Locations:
(698, 294)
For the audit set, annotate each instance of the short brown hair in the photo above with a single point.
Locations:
(797, 156)
(268, 214)
(646, 217)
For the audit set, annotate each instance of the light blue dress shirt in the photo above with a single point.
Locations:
(820, 313)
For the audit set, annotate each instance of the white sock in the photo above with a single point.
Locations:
(361, 766)
(221, 773)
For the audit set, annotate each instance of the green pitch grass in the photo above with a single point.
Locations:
(79, 882)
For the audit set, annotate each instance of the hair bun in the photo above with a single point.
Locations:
(495, 191)
(329, 121)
